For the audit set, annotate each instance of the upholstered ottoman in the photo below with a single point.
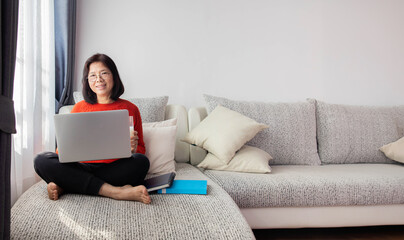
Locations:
(170, 216)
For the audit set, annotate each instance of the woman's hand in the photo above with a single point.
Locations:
(133, 141)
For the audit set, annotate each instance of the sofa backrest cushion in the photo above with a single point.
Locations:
(151, 109)
(291, 136)
(354, 134)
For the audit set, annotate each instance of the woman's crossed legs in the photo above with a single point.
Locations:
(121, 180)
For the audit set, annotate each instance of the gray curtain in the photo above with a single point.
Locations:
(65, 34)
(9, 24)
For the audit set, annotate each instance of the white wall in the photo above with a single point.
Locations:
(339, 51)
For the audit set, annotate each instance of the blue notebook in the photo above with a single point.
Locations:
(186, 187)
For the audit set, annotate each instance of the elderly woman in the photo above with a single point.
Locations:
(119, 179)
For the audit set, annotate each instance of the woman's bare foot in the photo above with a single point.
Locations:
(127, 192)
(138, 193)
(54, 191)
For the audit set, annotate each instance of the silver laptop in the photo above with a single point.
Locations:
(93, 135)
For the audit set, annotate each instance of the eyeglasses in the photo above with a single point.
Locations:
(103, 75)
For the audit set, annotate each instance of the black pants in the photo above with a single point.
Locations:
(87, 178)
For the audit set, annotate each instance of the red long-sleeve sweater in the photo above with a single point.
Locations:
(83, 106)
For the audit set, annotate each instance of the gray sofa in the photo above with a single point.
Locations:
(175, 216)
(327, 170)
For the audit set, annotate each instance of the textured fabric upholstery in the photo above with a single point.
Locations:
(307, 186)
(151, 109)
(291, 136)
(78, 96)
(175, 216)
(354, 134)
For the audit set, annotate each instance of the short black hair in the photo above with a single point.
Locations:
(117, 90)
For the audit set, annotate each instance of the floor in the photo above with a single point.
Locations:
(353, 233)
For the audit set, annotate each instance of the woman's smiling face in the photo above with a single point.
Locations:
(100, 80)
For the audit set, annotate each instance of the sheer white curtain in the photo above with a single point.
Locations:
(34, 92)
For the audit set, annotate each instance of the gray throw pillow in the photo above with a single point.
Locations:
(151, 109)
(78, 96)
(291, 136)
(354, 134)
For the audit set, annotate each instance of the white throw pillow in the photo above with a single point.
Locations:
(394, 150)
(159, 139)
(247, 159)
(223, 132)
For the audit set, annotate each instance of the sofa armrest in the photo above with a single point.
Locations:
(181, 148)
(66, 109)
(195, 116)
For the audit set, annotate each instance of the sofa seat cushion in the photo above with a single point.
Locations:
(309, 186)
(211, 216)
